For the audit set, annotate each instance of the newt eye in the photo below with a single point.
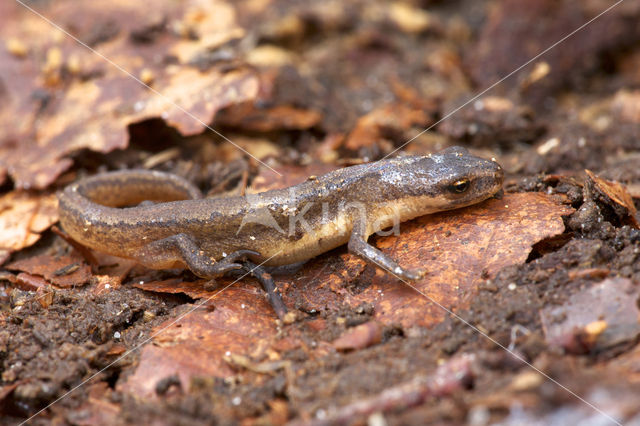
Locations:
(459, 186)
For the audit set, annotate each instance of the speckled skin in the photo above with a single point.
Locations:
(277, 227)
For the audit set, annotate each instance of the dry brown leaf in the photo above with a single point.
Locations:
(381, 123)
(194, 290)
(62, 271)
(615, 195)
(23, 216)
(242, 322)
(111, 271)
(60, 97)
(282, 117)
(30, 282)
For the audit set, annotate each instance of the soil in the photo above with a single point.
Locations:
(552, 339)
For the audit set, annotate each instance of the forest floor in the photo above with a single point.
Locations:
(530, 309)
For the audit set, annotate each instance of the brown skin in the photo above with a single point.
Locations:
(278, 227)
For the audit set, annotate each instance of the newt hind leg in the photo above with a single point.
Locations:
(269, 286)
(181, 250)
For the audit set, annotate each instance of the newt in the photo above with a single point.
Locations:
(162, 220)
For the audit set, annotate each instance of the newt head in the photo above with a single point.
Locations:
(446, 180)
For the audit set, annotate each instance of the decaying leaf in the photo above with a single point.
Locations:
(60, 97)
(613, 194)
(62, 271)
(30, 282)
(111, 272)
(195, 290)
(23, 216)
(196, 343)
(248, 117)
(385, 123)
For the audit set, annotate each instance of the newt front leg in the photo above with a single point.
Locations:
(359, 246)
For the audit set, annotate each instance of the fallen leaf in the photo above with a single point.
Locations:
(386, 122)
(30, 282)
(44, 296)
(282, 117)
(613, 194)
(194, 290)
(195, 344)
(62, 271)
(111, 271)
(23, 216)
(61, 97)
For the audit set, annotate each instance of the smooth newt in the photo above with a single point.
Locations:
(214, 235)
